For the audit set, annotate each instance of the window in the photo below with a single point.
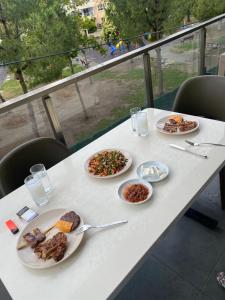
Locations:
(87, 12)
(101, 6)
(99, 26)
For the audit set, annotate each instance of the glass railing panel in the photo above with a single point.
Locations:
(215, 45)
(172, 64)
(22, 124)
(102, 101)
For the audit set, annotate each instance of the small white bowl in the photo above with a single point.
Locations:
(135, 181)
(144, 171)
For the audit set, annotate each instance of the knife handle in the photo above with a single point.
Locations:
(198, 154)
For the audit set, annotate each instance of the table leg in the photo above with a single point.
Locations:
(222, 187)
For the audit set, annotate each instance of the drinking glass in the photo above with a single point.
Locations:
(133, 115)
(36, 189)
(40, 172)
(142, 123)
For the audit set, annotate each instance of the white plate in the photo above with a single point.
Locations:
(135, 181)
(126, 167)
(146, 171)
(160, 124)
(43, 222)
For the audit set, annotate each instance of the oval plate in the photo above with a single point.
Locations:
(134, 181)
(160, 124)
(152, 171)
(43, 222)
(126, 167)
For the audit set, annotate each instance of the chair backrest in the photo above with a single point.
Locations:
(202, 96)
(15, 166)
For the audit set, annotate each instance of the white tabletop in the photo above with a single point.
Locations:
(105, 258)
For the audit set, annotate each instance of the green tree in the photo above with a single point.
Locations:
(205, 9)
(12, 16)
(132, 17)
(109, 32)
(89, 24)
(32, 28)
(181, 14)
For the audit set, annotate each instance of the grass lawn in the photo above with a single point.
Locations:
(185, 46)
(221, 40)
(67, 72)
(11, 89)
(173, 78)
(136, 95)
(133, 74)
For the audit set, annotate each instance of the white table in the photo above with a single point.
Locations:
(105, 258)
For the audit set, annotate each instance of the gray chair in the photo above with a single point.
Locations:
(15, 166)
(204, 96)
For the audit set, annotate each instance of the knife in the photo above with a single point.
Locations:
(187, 150)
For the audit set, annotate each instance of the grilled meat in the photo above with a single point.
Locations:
(53, 248)
(73, 218)
(33, 239)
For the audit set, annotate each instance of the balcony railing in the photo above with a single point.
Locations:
(89, 102)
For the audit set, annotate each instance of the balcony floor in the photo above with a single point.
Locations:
(184, 264)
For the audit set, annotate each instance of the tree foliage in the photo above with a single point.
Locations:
(109, 31)
(33, 28)
(205, 9)
(181, 13)
(89, 24)
(133, 17)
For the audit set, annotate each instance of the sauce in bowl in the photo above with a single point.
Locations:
(135, 192)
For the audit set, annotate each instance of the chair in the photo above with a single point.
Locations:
(15, 166)
(204, 96)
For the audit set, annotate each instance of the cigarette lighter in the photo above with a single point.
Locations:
(12, 226)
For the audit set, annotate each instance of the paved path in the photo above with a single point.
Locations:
(3, 74)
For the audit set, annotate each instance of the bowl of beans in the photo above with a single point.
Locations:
(135, 191)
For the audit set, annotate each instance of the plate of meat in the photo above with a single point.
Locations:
(135, 191)
(177, 124)
(108, 163)
(49, 239)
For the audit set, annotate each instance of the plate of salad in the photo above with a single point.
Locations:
(108, 163)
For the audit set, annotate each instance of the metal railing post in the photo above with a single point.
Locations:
(202, 48)
(81, 101)
(148, 80)
(53, 119)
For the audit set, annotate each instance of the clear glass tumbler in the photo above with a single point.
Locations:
(36, 189)
(142, 123)
(40, 172)
(133, 115)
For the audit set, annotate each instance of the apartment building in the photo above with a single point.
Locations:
(95, 9)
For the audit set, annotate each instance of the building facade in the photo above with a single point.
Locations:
(94, 9)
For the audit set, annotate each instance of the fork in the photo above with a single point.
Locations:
(199, 144)
(86, 227)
